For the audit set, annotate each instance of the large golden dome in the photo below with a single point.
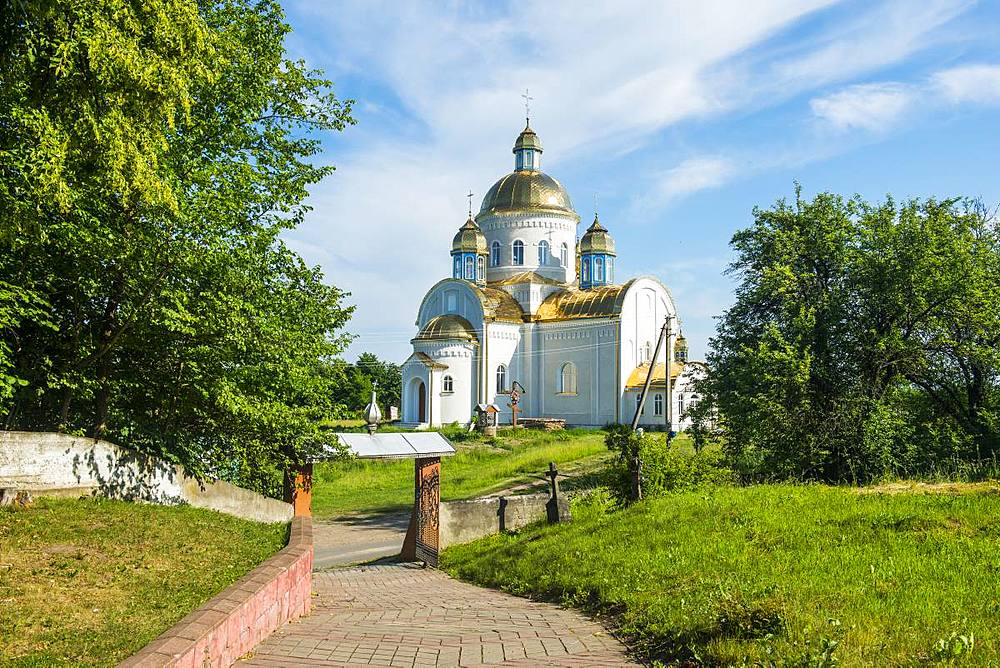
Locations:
(527, 190)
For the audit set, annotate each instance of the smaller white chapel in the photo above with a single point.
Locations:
(533, 304)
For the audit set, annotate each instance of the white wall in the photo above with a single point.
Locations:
(53, 463)
(590, 345)
(531, 228)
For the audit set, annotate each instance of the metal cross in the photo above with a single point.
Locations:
(470, 196)
(527, 105)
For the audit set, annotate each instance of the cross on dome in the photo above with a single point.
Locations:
(527, 107)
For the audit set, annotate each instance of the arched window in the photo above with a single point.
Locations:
(611, 270)
(495, 254)
(599, 269)
(448, 385)
(658, 404)
(680, 403)
(517, 252)
(458, 267)
(649, 351)
(501, 379)
(585, 269)
(567, 378)
(564, 255)
(543, 253)
(481, 268)
(470, 268)
(638, 400)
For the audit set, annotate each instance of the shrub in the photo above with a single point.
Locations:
(663, 468)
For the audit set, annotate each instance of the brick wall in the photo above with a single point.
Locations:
(236, 620)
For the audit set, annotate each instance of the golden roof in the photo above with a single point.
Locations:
(526, 277)
(426, 360)
(597, 239)
(605, 301)
(499, 305)
(470, 239)
(447, 328)
(637, 378)
(527, 190)
(527, 139)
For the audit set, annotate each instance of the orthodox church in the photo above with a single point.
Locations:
(533, 305)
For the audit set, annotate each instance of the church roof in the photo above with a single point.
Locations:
(527, 139)
(637, 378)
(601, 302)
(426, 360)
(447, 328)
(597, 239)
(500, 305)
(527, 277)
(527, 190)
(470, 239)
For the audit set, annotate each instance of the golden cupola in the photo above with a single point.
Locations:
(468, 253)
(527, 188)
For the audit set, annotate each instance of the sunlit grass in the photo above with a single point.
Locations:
(771, 574)
(479, 467)
(90, 582)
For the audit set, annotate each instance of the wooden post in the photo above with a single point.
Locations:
(298, 489)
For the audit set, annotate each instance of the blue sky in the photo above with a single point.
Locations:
(681, 116)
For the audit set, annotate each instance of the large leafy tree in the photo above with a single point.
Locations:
(861, 336)
(151, 154)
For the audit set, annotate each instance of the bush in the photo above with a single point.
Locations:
(663, 468)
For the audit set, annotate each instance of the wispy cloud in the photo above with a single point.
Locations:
(872, 107)
(970, 83)
(695, 174)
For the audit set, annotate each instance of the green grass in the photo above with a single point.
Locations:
(90, 582)
(479, 467)
(771, 574)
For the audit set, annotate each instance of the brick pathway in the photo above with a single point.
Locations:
(404, 615)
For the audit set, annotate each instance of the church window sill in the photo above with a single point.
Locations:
(567, 394)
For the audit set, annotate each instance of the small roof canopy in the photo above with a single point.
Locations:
(410, 445)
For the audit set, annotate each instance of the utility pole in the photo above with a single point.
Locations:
(664, 338)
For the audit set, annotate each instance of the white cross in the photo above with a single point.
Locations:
(527, 104)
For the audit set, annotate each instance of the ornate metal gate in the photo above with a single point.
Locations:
(428, 507)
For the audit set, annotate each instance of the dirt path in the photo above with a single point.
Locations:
(405, 615)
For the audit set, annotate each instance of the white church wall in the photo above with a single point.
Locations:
(504, 340)
(455, 406)
(453, 296)
(647, 303)
(531, 229)
(590, 345)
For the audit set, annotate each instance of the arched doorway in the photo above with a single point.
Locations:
(421, 402)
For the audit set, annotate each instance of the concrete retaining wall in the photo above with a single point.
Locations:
(59, 464)
(237, 620)
(464, 521)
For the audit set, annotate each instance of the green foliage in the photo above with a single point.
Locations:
(664, 468)
(859, 331)
(768, 575)
(89, 582)
(155, 153)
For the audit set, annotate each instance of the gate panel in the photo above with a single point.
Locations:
(428, 508)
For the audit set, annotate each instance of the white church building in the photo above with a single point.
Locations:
(531, 302)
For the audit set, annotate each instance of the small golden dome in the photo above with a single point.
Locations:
(447, 328)
(527, 139)
(597, 239)
(470, 239)
(527, 190)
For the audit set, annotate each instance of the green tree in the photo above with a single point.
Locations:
(857, 330)
(389, 376)
(155, 153)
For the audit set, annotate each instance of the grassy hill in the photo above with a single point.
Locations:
(479, 467)
(772, 574)
(89, 582)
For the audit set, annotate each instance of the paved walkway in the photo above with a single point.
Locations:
(355, 539)
(405, 615)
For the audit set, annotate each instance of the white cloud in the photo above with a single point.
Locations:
(872, 107)
(695, 174)
(969, 83)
